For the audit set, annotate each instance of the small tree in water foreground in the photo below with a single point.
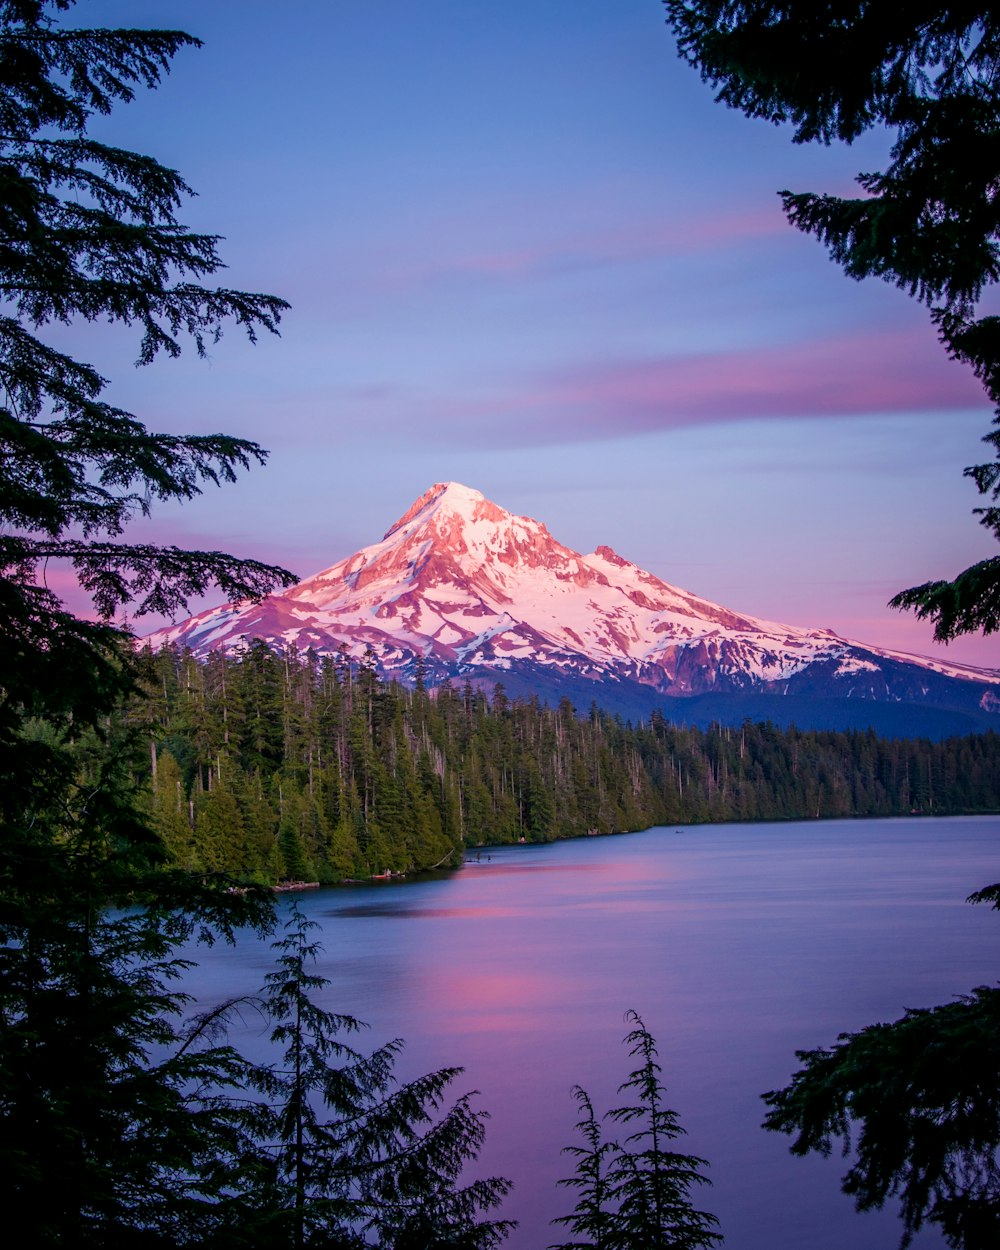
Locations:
(634, 1194)
(353, 1154)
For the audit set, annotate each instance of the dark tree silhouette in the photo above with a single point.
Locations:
(919, 1100)
(353, 1153)
(96, 1128)
(930, 221)
(635, 1194)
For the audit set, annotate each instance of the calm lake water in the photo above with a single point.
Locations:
(738, 944)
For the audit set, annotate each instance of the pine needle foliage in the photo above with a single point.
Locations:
(916, 1105)
(112, 1131)
(354, 1154)
(591, 1219)
(89, 232)
(929, 75)
(919, 1097)
(635, 1194)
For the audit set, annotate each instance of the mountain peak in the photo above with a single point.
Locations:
(442, 496)
(464, 588)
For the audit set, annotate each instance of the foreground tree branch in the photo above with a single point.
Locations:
(930, 221)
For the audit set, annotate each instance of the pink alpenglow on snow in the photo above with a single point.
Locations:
(462, 588)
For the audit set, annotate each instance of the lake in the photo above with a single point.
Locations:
(738, 944)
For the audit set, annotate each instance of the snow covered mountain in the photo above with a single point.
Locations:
(465, 589)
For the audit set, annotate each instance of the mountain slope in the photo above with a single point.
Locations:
(461, 588)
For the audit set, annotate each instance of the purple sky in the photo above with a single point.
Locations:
(526, 251)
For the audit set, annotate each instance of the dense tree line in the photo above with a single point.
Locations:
(286, 765)
(121, 1123)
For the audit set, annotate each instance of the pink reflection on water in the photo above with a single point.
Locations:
(490, 1001)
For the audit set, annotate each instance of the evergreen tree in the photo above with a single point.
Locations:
(930, 221)
(354, 1154)
(100, 1143)
(592, 1218)
(294, 866)
(110, 1133)
(919, 1101)
(219, 836)
(649, 1182)
(91, 234)
(405, 794)
(635, 1194)
(169, 812)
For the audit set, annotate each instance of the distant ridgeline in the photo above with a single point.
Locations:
(280, 766)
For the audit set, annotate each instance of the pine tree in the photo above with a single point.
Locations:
(649, 1182)
(91, 234)
(352, 1153)
(930, 221)
(592, 1217)
(918, 1102)
(635, 1194)
(110, 1133)
(94, 1135)
(169, 813)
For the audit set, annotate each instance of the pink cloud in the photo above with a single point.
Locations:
(877, 373)
(888, 372)
(871, 373)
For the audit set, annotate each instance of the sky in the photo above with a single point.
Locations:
(526, 251)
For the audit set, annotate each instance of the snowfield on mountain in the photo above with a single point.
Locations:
(463, 589)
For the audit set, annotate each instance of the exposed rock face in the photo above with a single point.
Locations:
(470, 590)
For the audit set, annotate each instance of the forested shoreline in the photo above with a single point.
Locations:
(128, 1123)
(279, 765)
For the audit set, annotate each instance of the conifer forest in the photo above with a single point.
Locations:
(148, 802)
(278, 766)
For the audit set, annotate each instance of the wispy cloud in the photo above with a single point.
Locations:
(891, 372)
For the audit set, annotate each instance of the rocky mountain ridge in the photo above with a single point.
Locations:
(462, 589)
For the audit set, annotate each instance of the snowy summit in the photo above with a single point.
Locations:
(472, 591)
